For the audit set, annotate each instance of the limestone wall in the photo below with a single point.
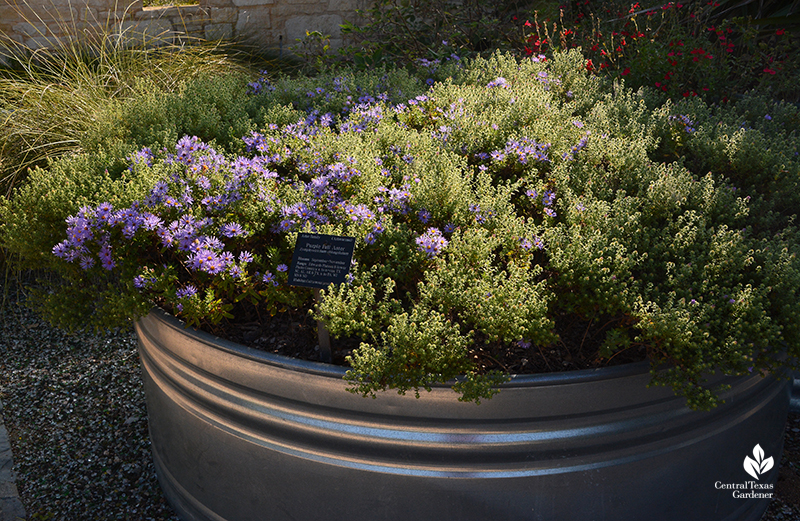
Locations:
(268, 24)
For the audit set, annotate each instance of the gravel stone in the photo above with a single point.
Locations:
(75, 412)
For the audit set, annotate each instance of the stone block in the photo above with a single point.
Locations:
(154, 13)
(220, 15)
(59, 13)
(88, 14)
(217, 3)
(30, 29)
(248, 3)
(297, 26)
(219, 31)
(38, 42)
(304, 9)
(8, 490)
(252, 22)
(12, 508)
(9, 14)
(145, 32)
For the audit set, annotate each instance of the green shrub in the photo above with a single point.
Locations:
(510, 209)
(208, 106)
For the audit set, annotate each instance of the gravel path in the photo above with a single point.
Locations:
(75, 415)
(76, 418)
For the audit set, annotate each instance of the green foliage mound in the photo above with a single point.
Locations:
(492, 212)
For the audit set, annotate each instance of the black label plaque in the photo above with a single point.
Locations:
(320, 260)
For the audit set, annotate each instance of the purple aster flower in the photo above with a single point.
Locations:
(525, 244)
(231, 230)
(203, 182)
(524, 344)
(151, 222)
(226, 259)
(86, 262)
(61, 249)
(269, 278)
(550, 212)
(186, 292)
(141, 157)
(431, 242)
(282, 268)
(498, 155)
(104, 212)
(165, 236)
(245, 257)
(214, 266)
(498, 82)
(141, 282)
(105, 257)
(202, 258)
(424, 216)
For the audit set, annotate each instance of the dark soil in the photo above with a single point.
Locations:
(293, 333)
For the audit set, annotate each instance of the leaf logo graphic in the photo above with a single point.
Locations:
(759, 465)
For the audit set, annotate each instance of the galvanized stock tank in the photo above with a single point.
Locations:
(242, 435)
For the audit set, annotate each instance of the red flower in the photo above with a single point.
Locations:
(769, 71)
(527, 23)
(780, 32)
(626, 71)
(589, 65)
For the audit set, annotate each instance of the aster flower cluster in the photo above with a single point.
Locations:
(432, 242)
(522, 150)
(467, 224)
(682, 120)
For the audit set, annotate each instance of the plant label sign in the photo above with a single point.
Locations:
(320, 260)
